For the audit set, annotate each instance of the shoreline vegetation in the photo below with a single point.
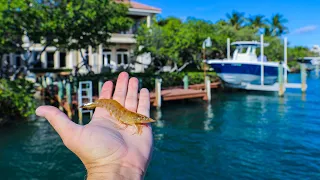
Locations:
(176, 42)
(172, 42)
(16, 100)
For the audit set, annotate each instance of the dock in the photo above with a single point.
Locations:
(69, 99)
(196, 91)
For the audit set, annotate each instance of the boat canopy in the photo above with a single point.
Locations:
(249, 43)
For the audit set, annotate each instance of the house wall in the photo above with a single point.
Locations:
(120, 41)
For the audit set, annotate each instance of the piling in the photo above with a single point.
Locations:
(285, 59)
(281, 80)
(69, 98)
(228, 48)
(100, 86)
(185, 82)
(317, 69)
(158, 92)
(75, 85)
(140, 84)
(303, 77)
(60, 93)
(262, 60)
(44, 84)
(208, 87)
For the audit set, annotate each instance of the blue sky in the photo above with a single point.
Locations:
(303, 15)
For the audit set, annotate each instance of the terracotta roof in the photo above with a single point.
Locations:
(137, 5)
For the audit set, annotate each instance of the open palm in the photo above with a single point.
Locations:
(102, 146)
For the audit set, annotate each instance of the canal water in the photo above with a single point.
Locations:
(240, 135)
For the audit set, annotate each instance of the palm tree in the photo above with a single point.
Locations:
(267, 31)
(236, 19)
(257, 21)
(222, 22)
(277, 25)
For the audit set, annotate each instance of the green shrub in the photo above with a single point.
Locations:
(16, 99)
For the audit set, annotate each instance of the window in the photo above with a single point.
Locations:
(86, 56)
(1, 62)
(106, 57)
(18, 60)
(122, 57)
(62, 59)
(36, 61)
(8, 60)
(50, 59)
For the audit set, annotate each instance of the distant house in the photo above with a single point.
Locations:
(316, 49)
(118, 54)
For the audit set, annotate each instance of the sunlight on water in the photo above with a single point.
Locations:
(239, 135)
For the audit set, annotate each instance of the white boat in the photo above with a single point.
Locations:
(310, 62)
(245, 67)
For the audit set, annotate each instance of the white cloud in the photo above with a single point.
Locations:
(305, 29)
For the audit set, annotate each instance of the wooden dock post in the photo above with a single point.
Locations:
(69, 98)
(140, 84)
(185, 82)
(158, 92)
(317, 69)
(100, 86)
(281, 80)
(60, 93)
(303, 77)
(208, 87)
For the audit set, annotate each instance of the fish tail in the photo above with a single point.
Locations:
(151, 120)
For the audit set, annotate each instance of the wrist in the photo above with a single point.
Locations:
(114, 171)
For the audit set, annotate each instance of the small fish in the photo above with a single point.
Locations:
(120, 113)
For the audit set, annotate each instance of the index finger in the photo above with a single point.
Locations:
(144, 102)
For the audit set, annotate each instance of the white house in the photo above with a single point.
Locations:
(118, 54)
(316, 49)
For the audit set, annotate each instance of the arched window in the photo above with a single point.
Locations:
(106, 57)
(122, 57)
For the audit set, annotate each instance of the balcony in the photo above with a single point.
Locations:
(122, 38)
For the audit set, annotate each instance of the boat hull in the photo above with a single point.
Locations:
(240, 74)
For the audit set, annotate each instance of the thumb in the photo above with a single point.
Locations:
(59, 121)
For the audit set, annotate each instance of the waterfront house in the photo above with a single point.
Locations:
(316, 49)
(119, 54)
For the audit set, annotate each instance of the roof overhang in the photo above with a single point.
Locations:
(142, 12)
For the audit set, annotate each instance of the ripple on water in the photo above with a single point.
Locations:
(239, 135)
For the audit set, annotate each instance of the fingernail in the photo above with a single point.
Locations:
(39, 112)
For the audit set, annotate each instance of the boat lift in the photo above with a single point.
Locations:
(282, 83)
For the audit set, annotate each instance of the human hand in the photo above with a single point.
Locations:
(106, 151)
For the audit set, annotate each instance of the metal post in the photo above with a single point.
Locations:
(185, 82)
(261, 54)
(228, 48)
(303, 78)
(208, 88)
(285, 59)
(280, 80)
(158, 92)
(100, 86)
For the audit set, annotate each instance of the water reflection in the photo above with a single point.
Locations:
(209, 117)
(303, 97)
(157, 116)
